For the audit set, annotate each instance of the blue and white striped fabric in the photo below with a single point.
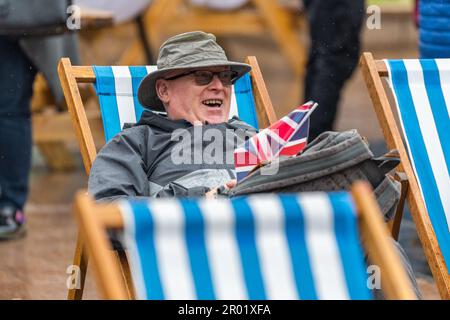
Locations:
(117, 88)
(422, 92)
(291, 246)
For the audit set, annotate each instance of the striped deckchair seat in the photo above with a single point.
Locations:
(422, 92)
(291, 246)
(117, 88)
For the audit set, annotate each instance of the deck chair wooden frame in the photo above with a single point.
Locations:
(70, 76)
(164, 18)
(95, 219)
(373, 70)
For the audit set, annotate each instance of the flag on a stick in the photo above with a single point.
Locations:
(286, 137)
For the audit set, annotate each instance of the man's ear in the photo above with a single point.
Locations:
(162, 90)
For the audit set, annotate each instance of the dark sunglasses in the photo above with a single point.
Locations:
(204, 77)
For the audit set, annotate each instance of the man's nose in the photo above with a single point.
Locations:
(216, 83)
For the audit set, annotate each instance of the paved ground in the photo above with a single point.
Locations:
(35, 267)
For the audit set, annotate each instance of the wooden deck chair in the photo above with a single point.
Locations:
(260, 17)
(117, 89)
(263, 246)
(421, 89)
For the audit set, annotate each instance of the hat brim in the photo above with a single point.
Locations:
(148, 97)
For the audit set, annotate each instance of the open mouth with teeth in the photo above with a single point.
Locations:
(213, 103)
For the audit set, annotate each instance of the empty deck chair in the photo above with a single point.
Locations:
(117, 89)
(421, 89)
(265, 246)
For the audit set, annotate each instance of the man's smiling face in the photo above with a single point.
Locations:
(184, 98)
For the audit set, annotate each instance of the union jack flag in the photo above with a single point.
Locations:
(286, 137)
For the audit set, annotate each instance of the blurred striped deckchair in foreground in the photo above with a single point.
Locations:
(266, 246)
(421, 89)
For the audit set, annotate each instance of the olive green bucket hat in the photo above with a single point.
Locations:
(185, 51)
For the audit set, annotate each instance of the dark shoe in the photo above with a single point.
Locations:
(12, 223)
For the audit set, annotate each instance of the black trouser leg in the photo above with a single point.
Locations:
(334, 30)
(16, 83)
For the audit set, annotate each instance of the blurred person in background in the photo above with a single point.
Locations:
(334, 27)
(22, 55)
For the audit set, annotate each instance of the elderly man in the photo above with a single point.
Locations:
(193, 86)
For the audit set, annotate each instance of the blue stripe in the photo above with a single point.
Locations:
(245, 101)
(295, 233)
(419, 153)
(245, 234)
(137, 74)
(145, 242)
(438, 107)
(346, 231)
(105, 87)
(298, 116)
(302, 132)
(195, 240)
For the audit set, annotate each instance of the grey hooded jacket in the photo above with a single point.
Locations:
(158, 157)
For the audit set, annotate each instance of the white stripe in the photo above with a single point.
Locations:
(295, 142)
(429, 133)
(326, 264)
(223, 250)
(240, 150)
(274, 134)
(306, 117)
(264, 144)
(252, 143)
(234, 110)
(171, 249)
(275, 260)
(124, 95)
(244, 168)
(150, 69)
(290, 122)
(129, 238)
(444, 75)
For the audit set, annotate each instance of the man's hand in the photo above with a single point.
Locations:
(229, 185)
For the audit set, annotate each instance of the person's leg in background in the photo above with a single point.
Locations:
(16, 82)
(335, 45)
